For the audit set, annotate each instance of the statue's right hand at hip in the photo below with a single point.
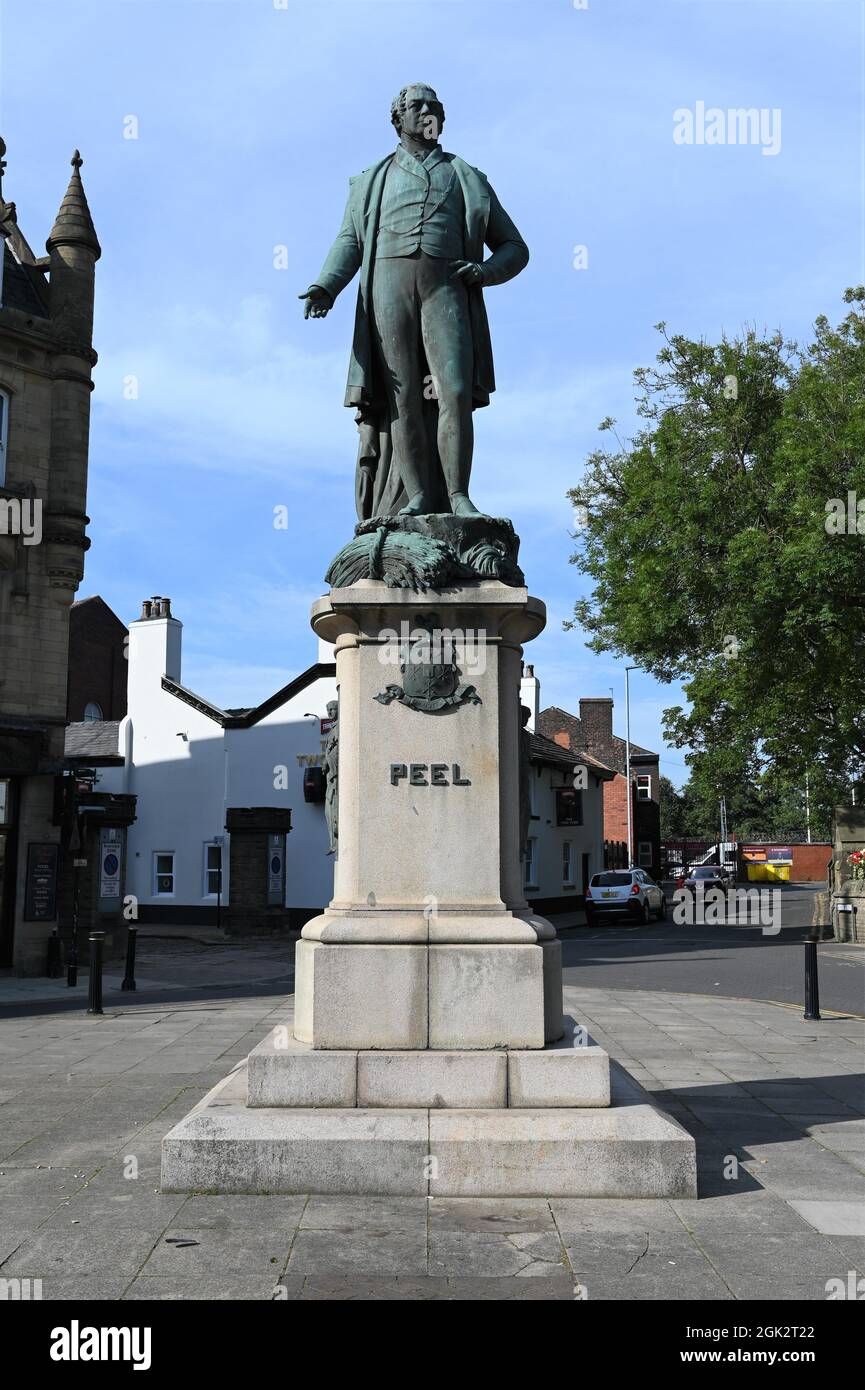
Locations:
(318, 302)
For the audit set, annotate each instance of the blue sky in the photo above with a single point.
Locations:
(252, 114)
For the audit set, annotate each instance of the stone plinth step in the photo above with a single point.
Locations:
(630, 1149)
(288, 1073)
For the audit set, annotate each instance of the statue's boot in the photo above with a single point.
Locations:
(462, 505)
(419, 505)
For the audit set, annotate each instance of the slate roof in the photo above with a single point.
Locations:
(550, 754)
(554, 719)
(93, 738)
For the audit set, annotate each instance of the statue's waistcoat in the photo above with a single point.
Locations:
(422, 208)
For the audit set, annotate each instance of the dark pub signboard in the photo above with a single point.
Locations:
(40, 901)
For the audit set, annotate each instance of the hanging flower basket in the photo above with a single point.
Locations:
(856, 863)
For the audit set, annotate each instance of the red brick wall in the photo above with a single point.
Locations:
(646, 823)
(97, 664)
(809, 862)
(616, 809)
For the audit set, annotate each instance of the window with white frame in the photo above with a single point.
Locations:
(644, 787)
(212, 869)
(4, 427)
(644, 854)
(530, 864)
(568, 863)
(163, 873)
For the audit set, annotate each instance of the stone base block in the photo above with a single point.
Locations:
(360, 996)
(285, 1072)
(486, 996)
(433, 1080)
(445, 997)
(559, 1078)
(225, 1146)
(629, 1150)
(553, 1018)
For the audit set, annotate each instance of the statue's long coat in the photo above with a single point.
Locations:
(488, 224)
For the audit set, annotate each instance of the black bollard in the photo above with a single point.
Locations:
(72, 959)
(129, 977)
(54, 964)
(812, 992)
(94, 981)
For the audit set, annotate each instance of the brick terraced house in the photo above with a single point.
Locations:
(592, 733)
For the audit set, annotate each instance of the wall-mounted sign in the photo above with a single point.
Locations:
(569, 806)
(40, 899)
(110, 859)
(276, 870)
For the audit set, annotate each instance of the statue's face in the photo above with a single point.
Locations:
(424, 115)
(332, 708)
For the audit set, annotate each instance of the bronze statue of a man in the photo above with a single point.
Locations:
(415, 226)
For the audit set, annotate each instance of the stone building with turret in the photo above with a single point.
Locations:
(46, 360)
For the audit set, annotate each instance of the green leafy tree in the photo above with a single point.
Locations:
(674, 818)
(719, 556)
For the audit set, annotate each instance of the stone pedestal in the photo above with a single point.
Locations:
(428, 941)
(427, 1052)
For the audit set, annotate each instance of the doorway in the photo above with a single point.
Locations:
(8, 838)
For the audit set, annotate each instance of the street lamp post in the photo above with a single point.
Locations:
(628, 670)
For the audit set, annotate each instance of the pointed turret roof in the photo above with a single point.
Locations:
(73, 225)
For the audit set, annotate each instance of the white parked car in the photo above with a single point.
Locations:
(627, 892)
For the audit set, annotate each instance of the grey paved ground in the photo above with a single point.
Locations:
(84, 1103)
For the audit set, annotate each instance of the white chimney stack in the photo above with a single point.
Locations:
(530, 696)
(153, 651)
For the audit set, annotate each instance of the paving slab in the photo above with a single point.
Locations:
(186, 1251)
(558, 1288)
(520, 1254)
(213, 1286)
(358, 1251)
(833, 1218)
(78, 1250)
(503, 1215)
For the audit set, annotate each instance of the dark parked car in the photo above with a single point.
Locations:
(709, 876)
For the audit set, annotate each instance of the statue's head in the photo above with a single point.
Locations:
(417, 110)
(332, 709)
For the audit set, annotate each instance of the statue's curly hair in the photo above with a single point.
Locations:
(397, 106)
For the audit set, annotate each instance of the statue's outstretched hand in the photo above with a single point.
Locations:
(318, 302)
(468, 271)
